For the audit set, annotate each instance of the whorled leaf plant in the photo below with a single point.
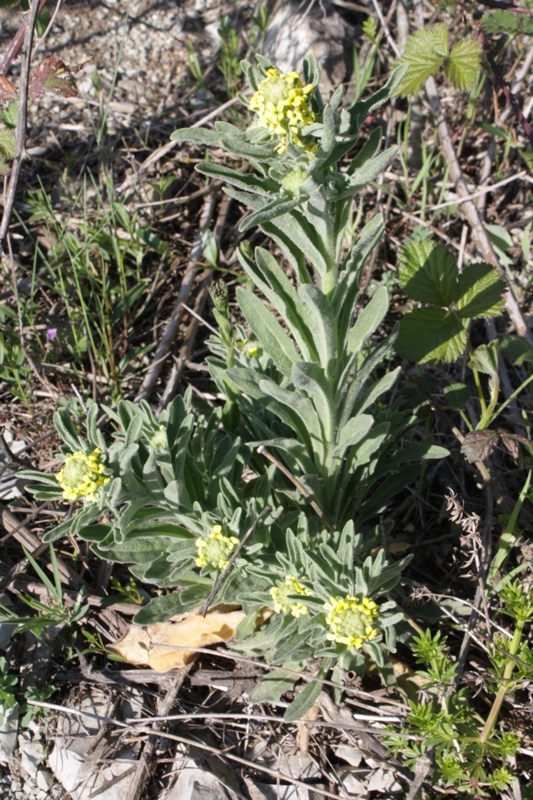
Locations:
(268, 501)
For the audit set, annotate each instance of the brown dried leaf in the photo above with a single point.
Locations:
(8, 91)
(139, 645)
(52, 75)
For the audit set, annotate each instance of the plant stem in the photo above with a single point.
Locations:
(490, 724)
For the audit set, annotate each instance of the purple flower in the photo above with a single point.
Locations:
(51, 334)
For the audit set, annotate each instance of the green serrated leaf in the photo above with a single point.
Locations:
(424, 53)
(457, 395)
(427, 272)
(479, 292)
(463, 63)
(507, 22)
(8, 143)
(486, 359)
(516, 349)
(10, 115)
(431, 334)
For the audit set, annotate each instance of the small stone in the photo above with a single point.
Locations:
(44, 780)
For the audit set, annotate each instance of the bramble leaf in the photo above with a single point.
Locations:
(457, 395)
(486, 359)
(516, 349)
(8, 143)
(424, 53)
(479, 292)
(428, 273)
(507, 22)
(478, 445)
(52, 75)
(431, 334)
(462, 64)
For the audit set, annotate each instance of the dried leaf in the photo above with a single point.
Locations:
(478, 445)
(8, 92)
(52, 75)
(139, 645)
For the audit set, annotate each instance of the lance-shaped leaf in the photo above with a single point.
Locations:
(311, 379)
(352, 433)
(247, 181)
(298, 411)
(276, 208)
(197, 136)
(279, 291)
(321, 323)
(369, 171)
(431, 334)
(375, 357)
(463, 63)
(374, 392)
(52, 75)
(428, 273)
(479, 292)
(274, 340)
(368, 321)
(369, 150)
(347, 288)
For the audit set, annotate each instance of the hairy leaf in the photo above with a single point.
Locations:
(273, 338)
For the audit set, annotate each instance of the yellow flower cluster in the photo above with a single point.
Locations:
(216, 549)
(281, 104)
(81, 476)
(280, 596)
(350, 620)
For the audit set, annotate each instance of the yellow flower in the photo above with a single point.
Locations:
(81, 476)
(350, 620)
(280, 595)
(281, 105)
(214, 551)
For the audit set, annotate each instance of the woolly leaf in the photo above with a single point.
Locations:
(431, 334)
(463, 63)
(424, 53)
(428, 273)
(271, 335)
(479, 292)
